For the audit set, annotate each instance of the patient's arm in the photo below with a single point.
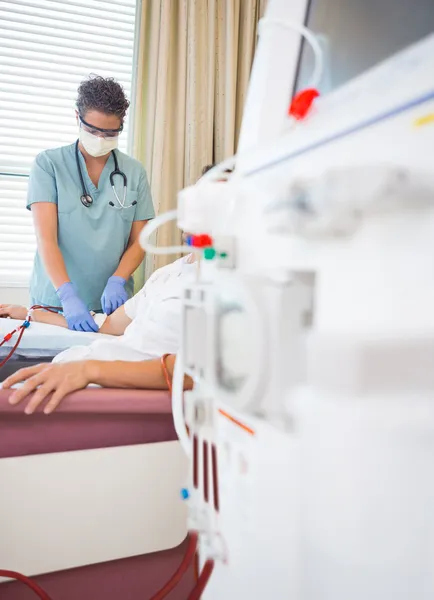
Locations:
(115, 324)
(39, 316)
(136, 375)
(63, 378)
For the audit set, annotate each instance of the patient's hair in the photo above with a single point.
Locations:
(207, 168)
(103, 94)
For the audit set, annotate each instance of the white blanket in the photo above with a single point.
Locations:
(44, 340)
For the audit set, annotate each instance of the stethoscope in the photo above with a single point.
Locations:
(86, 198)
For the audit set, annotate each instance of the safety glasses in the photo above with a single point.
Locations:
(97, 131)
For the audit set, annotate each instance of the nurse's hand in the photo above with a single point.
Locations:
(75, 311)
(43, 380)
(114, 294)
(13, 311)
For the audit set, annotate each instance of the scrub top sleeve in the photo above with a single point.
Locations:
(145, 207)
(42, 183)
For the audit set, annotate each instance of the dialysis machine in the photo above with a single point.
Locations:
(309, 334)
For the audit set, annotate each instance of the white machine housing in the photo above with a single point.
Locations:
(311, 340)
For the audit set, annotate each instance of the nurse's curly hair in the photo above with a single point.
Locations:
(103, 94)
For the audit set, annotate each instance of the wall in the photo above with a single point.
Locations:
(14, 295)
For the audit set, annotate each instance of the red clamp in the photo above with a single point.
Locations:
(200, 241)
(302, 103)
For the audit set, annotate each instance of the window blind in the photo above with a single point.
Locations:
(47, 47)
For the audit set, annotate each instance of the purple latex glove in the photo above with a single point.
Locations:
(74, 310)
(114, 294)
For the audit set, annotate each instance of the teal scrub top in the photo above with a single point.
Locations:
(92, 240)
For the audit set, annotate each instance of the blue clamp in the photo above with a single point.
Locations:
(26, 324)
(189, 240)
(185, 494)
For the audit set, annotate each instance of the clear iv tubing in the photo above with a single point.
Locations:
(171, 215)
(309, 37)
(155, 224)
(178, 403)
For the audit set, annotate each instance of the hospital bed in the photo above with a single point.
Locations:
(89, 502)
(40, 343)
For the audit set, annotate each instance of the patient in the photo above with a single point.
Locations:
(148, 326)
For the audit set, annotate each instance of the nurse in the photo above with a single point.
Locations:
(89, 203)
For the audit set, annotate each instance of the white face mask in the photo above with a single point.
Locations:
(96, 146)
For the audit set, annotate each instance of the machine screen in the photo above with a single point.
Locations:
(357, 34)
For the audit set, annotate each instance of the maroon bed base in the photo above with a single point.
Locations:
(95, 418)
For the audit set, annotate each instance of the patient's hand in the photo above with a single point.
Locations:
(42, 380)
(13, 311)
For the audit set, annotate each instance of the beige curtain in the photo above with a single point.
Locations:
(194, 64)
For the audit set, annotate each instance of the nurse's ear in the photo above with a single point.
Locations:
(76, 117)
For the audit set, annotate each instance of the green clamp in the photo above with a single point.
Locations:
(209, 253)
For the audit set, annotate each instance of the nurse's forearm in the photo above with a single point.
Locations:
(136, 375)
(131, 259)
(53, 262)
(45, 217)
